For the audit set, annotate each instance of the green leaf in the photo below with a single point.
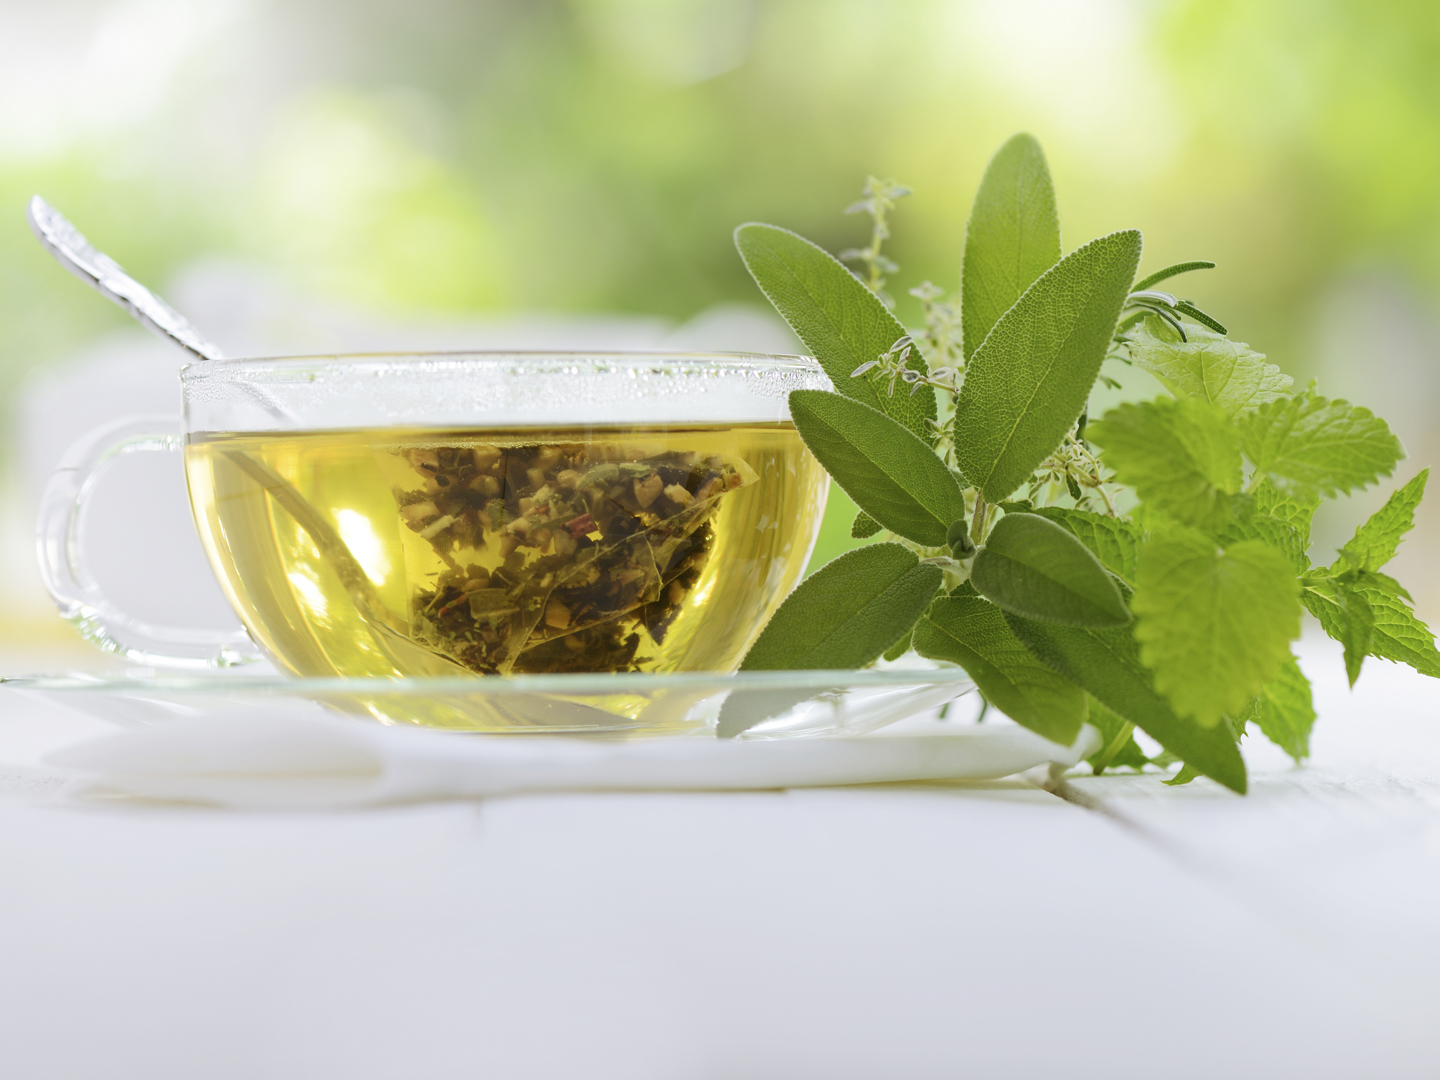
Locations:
(971, 632)
(1395, 633)
(1214, 626)
(1208, 366)
(1313, 443)
(847, 613)
(1118, 749)
(863, 526)
(1186, 774)
(900, 648)
(1107, 664)
(1294, 508)
(1284, 711)
(1013, 237)
(1181, 455)
(1037, 568)
(1114, 541)
(1169, 272)
(1375, 542)
(1029, 380)
(1250, 523)
(894, 477)
(841, 322)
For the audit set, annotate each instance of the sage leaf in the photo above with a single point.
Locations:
(1320, 444)
(893, 476)
(863, 527)
(1118, 748)
(1284, 711)
(841, 322)
(971, 632)
(1107, 664)
(1037, 568)
(1012, 237)
(1213, 625)
(1208, 366)
(847, 613)
(899, 649)
(1375, 542)
(1181, 455)
(1395, 633)
(1028, 382)
(1115, 541)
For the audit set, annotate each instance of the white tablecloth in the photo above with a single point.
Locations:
(927, 930)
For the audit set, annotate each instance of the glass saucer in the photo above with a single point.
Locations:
(750, 705)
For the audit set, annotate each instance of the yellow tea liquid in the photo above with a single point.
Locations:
(385, 553)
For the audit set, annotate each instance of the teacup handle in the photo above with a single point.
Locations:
(58, 535)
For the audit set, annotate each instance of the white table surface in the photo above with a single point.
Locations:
(928, 930)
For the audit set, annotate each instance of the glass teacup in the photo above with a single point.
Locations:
(473, 513)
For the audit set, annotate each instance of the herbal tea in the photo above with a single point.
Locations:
(368, 553)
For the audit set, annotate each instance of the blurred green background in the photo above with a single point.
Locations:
(589, 156)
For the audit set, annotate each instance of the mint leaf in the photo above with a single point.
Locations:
(1313, 443)
(1029, 380)
(1375, 542)
(1181, 455)
(1396, 634)
(1118, 748)
(1214, 626)
(863, 526)
(893, 476)
(1107, 664)
(971, 632)
(1012, 237)
(847, 613)
(1114, 541)
(1208, 366)
(1284, 711)
(841, 322)
(1037, 568)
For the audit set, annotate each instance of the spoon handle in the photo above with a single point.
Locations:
(104, 275)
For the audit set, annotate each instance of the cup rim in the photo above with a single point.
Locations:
(678, 358)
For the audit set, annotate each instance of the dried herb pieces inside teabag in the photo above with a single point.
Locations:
(560, 556)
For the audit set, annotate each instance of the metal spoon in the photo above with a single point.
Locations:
(103, 274)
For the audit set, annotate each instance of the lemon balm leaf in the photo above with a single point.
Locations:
(1012, 237)
(1208, 366)
(1375, 542)
(1319, 444)
(1181, 455)
(971, 632)
(842, 323)
(1037, 568)
(1029, 380)
(892, 475)
(1213, 625)
(1284, 711)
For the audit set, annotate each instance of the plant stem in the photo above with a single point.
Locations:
(977, 523)
(1116, 744)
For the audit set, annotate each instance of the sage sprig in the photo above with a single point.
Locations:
(1146, 569)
